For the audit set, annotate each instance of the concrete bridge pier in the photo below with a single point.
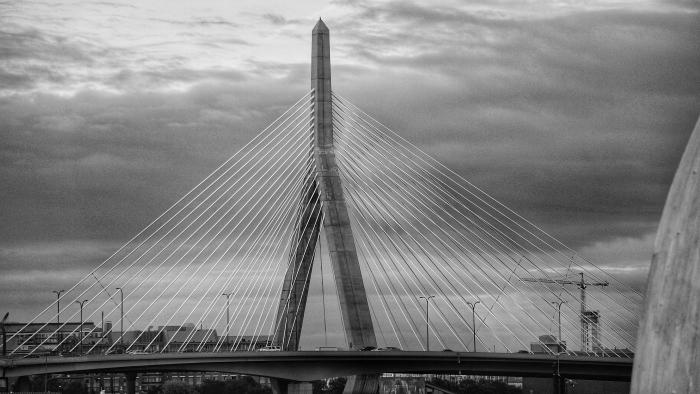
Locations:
(22, 383)
(558, 384)
(668, 353)
(130, 382)
(282, 386)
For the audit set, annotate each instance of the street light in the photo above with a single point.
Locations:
(58, 305)
(558, 304)
(557, 376)
(81, 324)
(121, 319)
(4, 340)
(58, 313)
(473, 305)
(427, 325)
(228, 327)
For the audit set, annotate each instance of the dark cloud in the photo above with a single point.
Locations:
(97, 165)
(577, 121)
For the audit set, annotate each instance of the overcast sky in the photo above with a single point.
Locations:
(573, 113)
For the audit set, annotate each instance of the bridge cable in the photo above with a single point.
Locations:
(175, 215)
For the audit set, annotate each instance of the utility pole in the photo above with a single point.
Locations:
(121, 319)
(228, 322)
(81, 324)
(427, 325)
(473, 305)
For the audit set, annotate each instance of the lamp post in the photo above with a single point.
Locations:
(81, 324)
(473, 305)
(228, 326)
(4, 340)
(121, 318)
(427, 325)
(558, 304)
(58, 313)
(557, 377)
(58, 305)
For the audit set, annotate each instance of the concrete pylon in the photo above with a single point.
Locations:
(328, 191)
(336, 221)
(668, 353)
(325, 196)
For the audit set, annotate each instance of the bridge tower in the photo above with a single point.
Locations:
(325, 201)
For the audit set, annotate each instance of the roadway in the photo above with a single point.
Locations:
(313, 365)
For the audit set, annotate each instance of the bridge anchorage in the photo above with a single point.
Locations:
(420, 259)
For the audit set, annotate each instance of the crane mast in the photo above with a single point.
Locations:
(588, 318)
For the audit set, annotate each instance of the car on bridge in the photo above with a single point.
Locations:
(270, 348)
(387, 349)
(138, 352)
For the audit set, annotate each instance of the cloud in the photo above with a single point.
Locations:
(556, 116)
(575, 117)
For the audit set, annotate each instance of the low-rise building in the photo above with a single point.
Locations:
(54, 338)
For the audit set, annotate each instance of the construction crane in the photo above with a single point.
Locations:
(587, 317)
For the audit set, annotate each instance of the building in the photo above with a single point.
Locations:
(590, 327)
(548, 344)
(54, 338)
(187, 338)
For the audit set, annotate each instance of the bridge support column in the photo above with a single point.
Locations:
(558, 384)
(22, 383)
(279, 386)
(668, 353)
(130, 382)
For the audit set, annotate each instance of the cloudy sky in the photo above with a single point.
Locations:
(573, 113)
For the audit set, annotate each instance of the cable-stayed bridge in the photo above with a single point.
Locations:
(329, 228)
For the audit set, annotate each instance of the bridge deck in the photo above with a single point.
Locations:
(312, 365)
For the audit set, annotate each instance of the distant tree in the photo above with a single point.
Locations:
(318, 387)
(330, 386)
(468, 386)
(486, 387)
(74, 387)
(446, 384)
(177, 387)
(240, 385)
(155, 389)
(212, 387)
(336, 385)
(247, 385)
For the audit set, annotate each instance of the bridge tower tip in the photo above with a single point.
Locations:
(320, 27)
